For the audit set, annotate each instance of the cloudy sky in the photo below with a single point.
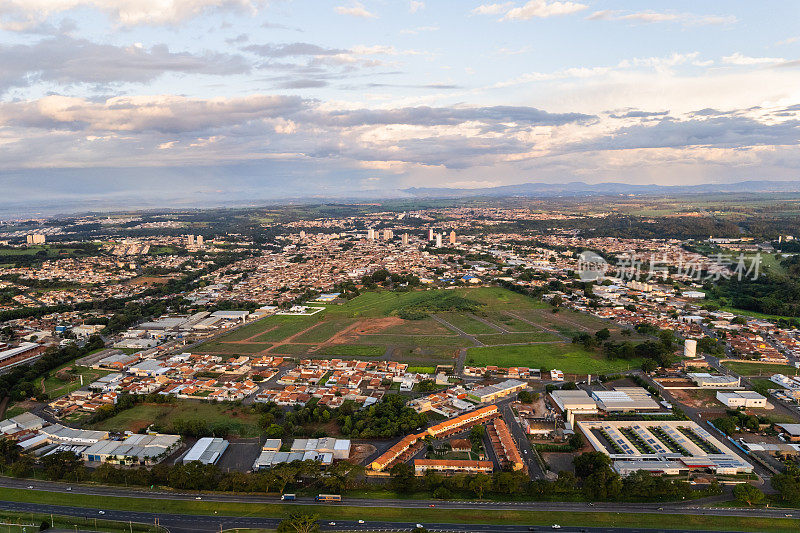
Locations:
(203, 99)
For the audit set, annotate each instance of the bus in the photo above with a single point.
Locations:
(288, 497)
(328, 498)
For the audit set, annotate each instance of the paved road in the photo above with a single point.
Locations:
(524, 445)
(180, 523)
(691, 507)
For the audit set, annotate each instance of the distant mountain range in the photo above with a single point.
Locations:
(578, 188)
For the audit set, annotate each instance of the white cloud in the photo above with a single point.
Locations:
(356, 9)
(532, 9)
(740, 59)
(492, 9)
(19, 15)
(649, 17)
(415, 5)
(543, 9)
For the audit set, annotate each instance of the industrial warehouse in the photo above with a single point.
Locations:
(667, 447)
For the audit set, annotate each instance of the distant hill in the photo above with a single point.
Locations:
(578, 188)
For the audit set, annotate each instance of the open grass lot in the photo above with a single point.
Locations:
(517, 338)
(568, 358)
(422, 340)
(68, 378)
(427, 326)
(760, 369)
(454, 516)
(367, 326)
(351, 350)
(468, 324)
(232, 348)
(763, 385)
(240, 419)
(323, 331)
(285, 326)
(15, 522)
(250, 330)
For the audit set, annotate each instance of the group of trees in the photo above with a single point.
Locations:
(427, 303)
(734, 420)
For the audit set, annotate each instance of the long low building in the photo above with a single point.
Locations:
(578, 401)
(746, 399)
(504, 446)
(491, 393)
(409, 443)
(134, 450)
(452, 466)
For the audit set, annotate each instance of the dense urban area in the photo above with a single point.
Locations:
(621, 350)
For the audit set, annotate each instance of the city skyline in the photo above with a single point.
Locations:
(213, 101)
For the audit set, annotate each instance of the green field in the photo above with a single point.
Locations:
(232, 348)
(422, 340)
(569, 358)
(323, 331)
(468, 324)
(760, 369)
(239, 419)
(352, 350)
(517, 338)
(400, 514)
(285, 327)
(56, 387)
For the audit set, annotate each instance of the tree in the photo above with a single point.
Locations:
(747, 493)
(299, 523)
(480, 484)
(648, 365)
(603, 335)
(588, 463)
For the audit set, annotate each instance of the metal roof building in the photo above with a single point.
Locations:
(207, 450)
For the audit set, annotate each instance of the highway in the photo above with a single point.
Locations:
(182, 523)
(693, 507)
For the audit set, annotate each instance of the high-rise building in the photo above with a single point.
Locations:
(430, 234)
(371, 234)
(199, 240)
(438, 240)
(387, 234)
(405, 239)
(302, 234)
(452, 237)
(35, 238)
(190, 240)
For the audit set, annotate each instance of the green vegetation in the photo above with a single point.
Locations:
(568, 358)
(323, 331)
(456, 516)
(15, 522)
(351, 350)
(232, 347)
(760, 369)
(285, 327)
(68, 378)
(181, 415)
(468, 324)
(517, 338)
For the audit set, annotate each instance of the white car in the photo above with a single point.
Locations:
(556, 526)
(361, 522)
(101, 512)
(420, 526)
(198, 498)
(331, 523)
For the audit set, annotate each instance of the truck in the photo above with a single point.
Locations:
(288, 497)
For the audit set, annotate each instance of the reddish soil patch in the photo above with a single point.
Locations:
(375, 325)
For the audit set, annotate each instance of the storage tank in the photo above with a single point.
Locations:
(690, 348)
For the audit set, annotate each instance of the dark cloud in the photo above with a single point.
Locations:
(641, 114)
(437, 116)
(723, 132)
(65, 60)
